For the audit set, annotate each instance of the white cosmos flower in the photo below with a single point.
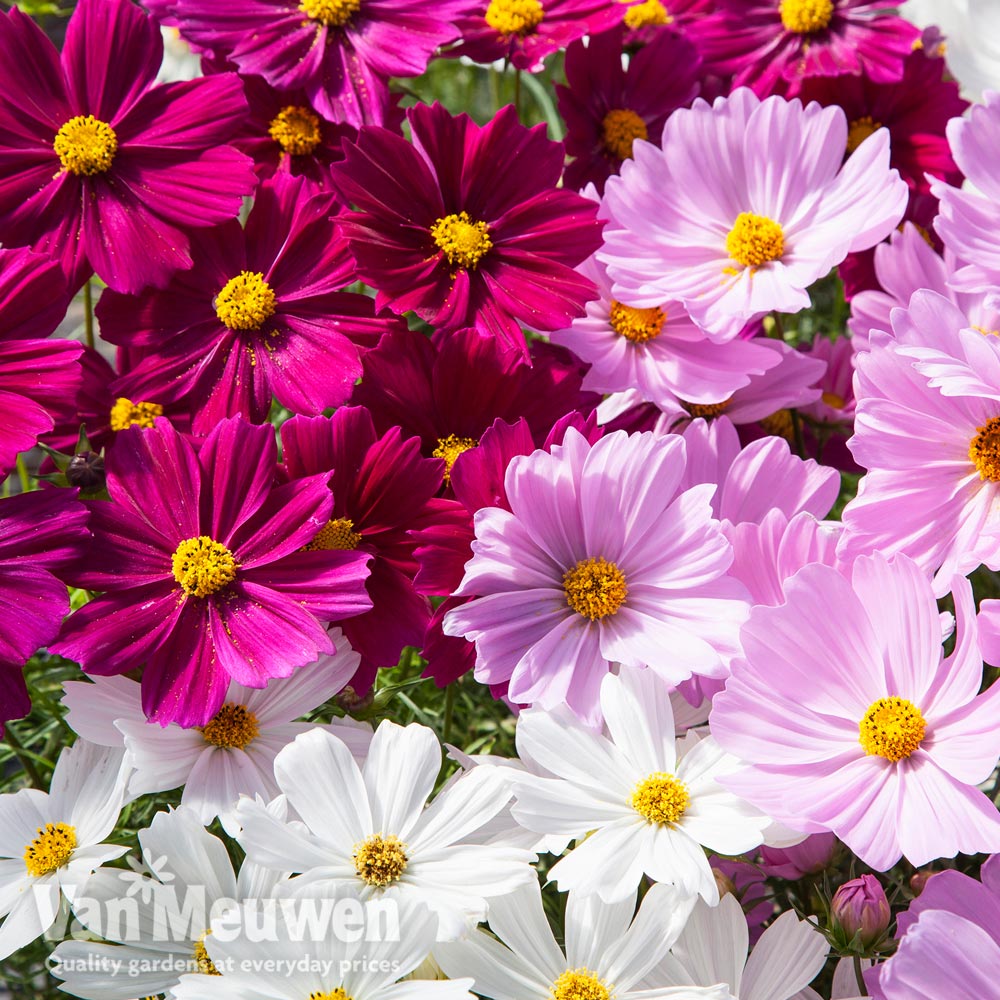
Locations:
(650, 803)
(158, 923)
(50, 844)
(367, 830)
(293, 966)
(234, 754)
(607, 954)
(712, 948)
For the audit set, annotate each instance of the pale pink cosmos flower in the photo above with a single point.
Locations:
(848, 718)
(747, 204)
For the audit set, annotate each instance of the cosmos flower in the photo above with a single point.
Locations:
(340, 52)
(466, 226)
(774, 214)
(103, 170)
(603, 557)
(204, 566)
(36, 374)
(260, 313)
(886, 749)
(777, 44)
(607, 107)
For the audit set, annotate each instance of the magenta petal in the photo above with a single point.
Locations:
(32, 605)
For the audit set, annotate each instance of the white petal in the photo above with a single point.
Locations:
(639, 716)
(787, 957)
(400, 771)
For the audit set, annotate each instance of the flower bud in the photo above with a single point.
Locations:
(86, 471)
(724, 882)
(859, 908)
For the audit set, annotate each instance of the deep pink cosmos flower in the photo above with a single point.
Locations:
(340, 52)
(606, 107)
(206, 570)
(601, 558)
(526, 31)
(777, 208)
(40, 534)
(848, 718)
(382, 490)
(100, 168)
(448, 390)
(36, 375)
(260, 314)
(773, 45)
(466, 226)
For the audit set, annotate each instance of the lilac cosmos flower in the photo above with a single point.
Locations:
(260, 313)
(466, 226)
(774, 214)
(36, 374)
(102, 169)
(206, 571)
(340, 52)
(848, 718)
(601, 558)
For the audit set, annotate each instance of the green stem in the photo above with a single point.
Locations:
(88, 314)
(449, 711)
(859, 977)
(517, 92)
(22, 755)
(22, 475)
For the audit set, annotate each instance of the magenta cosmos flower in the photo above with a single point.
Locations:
(601, 558)
(607, 108)
(260, 314)
(773, 45)
(932, 495)
(524, 32)
(382, 491)
(848, 718)
(340, 52)
(41, 533)
(207, 571)
(466, 226)
(101, 169)
(36, 374)
(774, 214)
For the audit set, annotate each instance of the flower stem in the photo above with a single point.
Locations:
(22, 755)
(88, 314)
(859, 977)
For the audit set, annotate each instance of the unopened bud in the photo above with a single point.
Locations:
(724, 882)
(86, 471)
(918, 881)
(860, 909)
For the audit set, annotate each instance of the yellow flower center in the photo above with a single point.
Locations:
(660, 798)
(892, 728)
(51, 849)
(707, 410)
(636, 325)
(595, 588)
(296, 130)
(780, 424)
(806, 16)
(337, 994)
(514, 17)
(860, 130)
(987, 333)
(449, 449)
(125, 413)
(579, 984)
(461, 240)
(202, 566)
(204, 963)
(380, 860)
(332, 13)
(232, 727)
(339, 534)
(86, 146)
(649, 14)
(832, 399)
(619, 129)
(755, 240)
(985, 450)
(246, 302)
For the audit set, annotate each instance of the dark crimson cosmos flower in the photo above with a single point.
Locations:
(36, 375)
(644, 18)
(606, 107)
(40, 534)
(774, 45)
(340, 52)
(526, 31)
(915, 110)
(100, 168)
(382, 490)
(259, 314)
(206, 571)
(447, 390)
(466, 226)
